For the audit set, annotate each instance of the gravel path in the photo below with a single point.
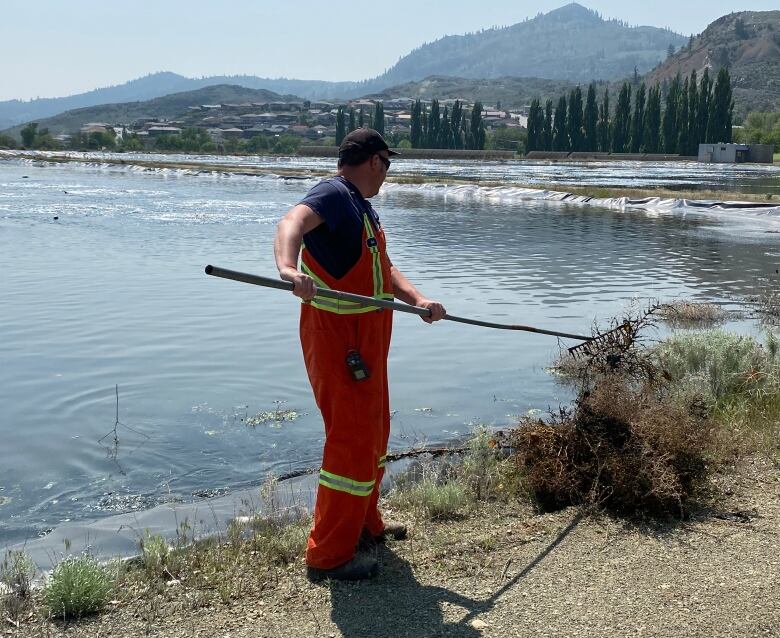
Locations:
(505, 571)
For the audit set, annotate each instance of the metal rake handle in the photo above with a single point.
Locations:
(267, 282)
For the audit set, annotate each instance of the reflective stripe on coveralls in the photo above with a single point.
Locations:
(350, 307)
(356, 414)
(346, 484)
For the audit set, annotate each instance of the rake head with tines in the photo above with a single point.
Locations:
(616, 340)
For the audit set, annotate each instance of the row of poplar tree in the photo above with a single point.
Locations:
(347, 120)
(430, 127)
(434, 128)
(694, 112)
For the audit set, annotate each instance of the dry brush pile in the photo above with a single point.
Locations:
(633, 443)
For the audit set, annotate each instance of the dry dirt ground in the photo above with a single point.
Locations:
(506, 571)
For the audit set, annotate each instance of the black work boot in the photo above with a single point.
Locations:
(393, 529)
(360, 567)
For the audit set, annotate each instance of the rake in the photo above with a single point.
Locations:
(620, 337)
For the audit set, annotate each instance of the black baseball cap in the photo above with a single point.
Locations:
(365, 140)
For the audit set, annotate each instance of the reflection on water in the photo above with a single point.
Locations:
(113, 293)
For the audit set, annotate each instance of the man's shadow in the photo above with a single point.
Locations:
(395, 604)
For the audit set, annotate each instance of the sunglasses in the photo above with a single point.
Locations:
(385, 161)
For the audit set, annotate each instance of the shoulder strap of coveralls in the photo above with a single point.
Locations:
(347, 307)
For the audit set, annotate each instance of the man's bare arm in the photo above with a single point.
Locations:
(298, 221)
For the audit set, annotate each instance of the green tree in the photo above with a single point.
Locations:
(604, 133)
(445, 132)
(45, 140)
(693, 115)
(560, 138)
(416, 125)
(591, 121)
(669, 126)
(651, 136)
(162, 143)
(477, 127)
(574, 120)
(379, 118)
(234, 145)
(434, 121)
(534, 127)
(341, 125)
(761, 128)
(285, 144)
(131, 142)
(721, 109)
(547, 128)
(28, 134)
(99, 140)
(506, 138)
(361, 118)
(682, 119)
(257, 144)
(638, 120)
(703, 111)
(352, 123)
(456, 123)
(6, 141)
(195, 139)
(621, 127)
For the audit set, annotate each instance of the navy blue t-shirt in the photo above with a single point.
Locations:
(337, 243)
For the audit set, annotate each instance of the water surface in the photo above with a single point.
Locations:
(113, 293)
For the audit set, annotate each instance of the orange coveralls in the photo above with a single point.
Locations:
(356, 413)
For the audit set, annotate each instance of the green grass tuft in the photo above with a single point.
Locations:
(720, 365)
(431, 500)
(77, 587)
(17, 572)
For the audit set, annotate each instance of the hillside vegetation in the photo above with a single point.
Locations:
(748, 45)
(570, 43)
(508, 91)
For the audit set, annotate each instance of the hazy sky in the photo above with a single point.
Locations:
(52, 48)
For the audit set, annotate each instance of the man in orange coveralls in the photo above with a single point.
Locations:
(345, 348)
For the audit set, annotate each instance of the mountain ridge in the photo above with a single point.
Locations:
(526, 49)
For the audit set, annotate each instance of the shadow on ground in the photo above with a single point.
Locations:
(397, 605)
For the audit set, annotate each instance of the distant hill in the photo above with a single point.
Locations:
(510, 92)
(13, 112)
(748, 45)
(169, 106)
(571, 43)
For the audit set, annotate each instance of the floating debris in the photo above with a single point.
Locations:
(273, 418)
(4, 500)
(211, 493)
(114, 502)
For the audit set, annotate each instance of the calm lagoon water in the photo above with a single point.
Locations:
(113, 294)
